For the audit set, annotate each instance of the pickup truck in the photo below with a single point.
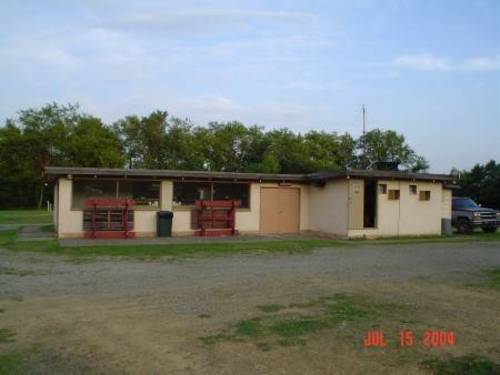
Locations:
(467, 215)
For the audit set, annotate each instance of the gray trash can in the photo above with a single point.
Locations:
(446, 228)
(164, 223)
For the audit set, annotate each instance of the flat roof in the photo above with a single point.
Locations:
(319, 177)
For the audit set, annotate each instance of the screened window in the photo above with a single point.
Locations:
(145, 193)
(186, 193)
(238, 192)
(393, 195)
(382, 188)
(413, 189)
(86, 189)
(425, 195)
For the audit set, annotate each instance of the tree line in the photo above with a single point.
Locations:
(63, 135)
(481, 183)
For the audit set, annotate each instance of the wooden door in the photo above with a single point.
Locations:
(356, 203)
(279, 210)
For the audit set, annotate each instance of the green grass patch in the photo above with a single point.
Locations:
(492, 279)
(25, 217)
(285, 326)
(466, 365)
(6, 335)
(12, 363)
(175, 250)
(152, 251)
(7, 237)
(48, 228)
(249, 328)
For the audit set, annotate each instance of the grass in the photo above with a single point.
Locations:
(492, 279)
(147, 251)
(25, 217)
(465, 365)
(6, 335)
(285, 326)
(12, 363)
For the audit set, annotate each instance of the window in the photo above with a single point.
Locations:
(393, 195)
(145, 193)
(425, 195)
(382, 188)
(413, 189)
(86, 189)
(461, 203)
(238, 192)
(186, 193)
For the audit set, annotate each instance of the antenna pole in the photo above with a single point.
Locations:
(363, 110)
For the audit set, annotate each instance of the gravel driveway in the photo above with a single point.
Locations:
(109, 315)
(52, 275)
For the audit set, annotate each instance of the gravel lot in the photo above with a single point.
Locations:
(132, 316)
(54, 275)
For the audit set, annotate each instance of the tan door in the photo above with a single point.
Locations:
(279, 210)
(356, 203)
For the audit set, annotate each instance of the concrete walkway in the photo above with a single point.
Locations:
(33, 232)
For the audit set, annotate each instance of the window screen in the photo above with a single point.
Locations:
(185, 193)
(145, 193)
(238, 192)
(425, 195)
(393, 195)
(87, 189)
(413, 189)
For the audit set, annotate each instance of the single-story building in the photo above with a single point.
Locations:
(348, 203)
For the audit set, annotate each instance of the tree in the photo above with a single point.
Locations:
(481, 183)
(91, 144)
(51, 135)
(387, 146)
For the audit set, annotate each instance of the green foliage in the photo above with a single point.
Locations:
(481, 183)
(52, 135)
(388, 146)
(61, 135)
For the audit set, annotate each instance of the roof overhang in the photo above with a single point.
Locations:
(55, 172)
(318, 178)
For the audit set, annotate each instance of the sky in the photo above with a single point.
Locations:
(427, 69)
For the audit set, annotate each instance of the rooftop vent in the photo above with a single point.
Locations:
(385, 166)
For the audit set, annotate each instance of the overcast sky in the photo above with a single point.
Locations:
(428, 69)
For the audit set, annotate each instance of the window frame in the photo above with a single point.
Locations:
(117, 191)
(185, 207)
(396, 192)
(424, 195)
(382, 189)
(413, 189)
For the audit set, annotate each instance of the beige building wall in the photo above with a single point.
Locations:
(446, 204)
(408, 215)
(328, 208)
(70, 222)
(247, 219)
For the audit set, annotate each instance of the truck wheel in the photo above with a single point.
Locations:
(490, 229)
(463, 226)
